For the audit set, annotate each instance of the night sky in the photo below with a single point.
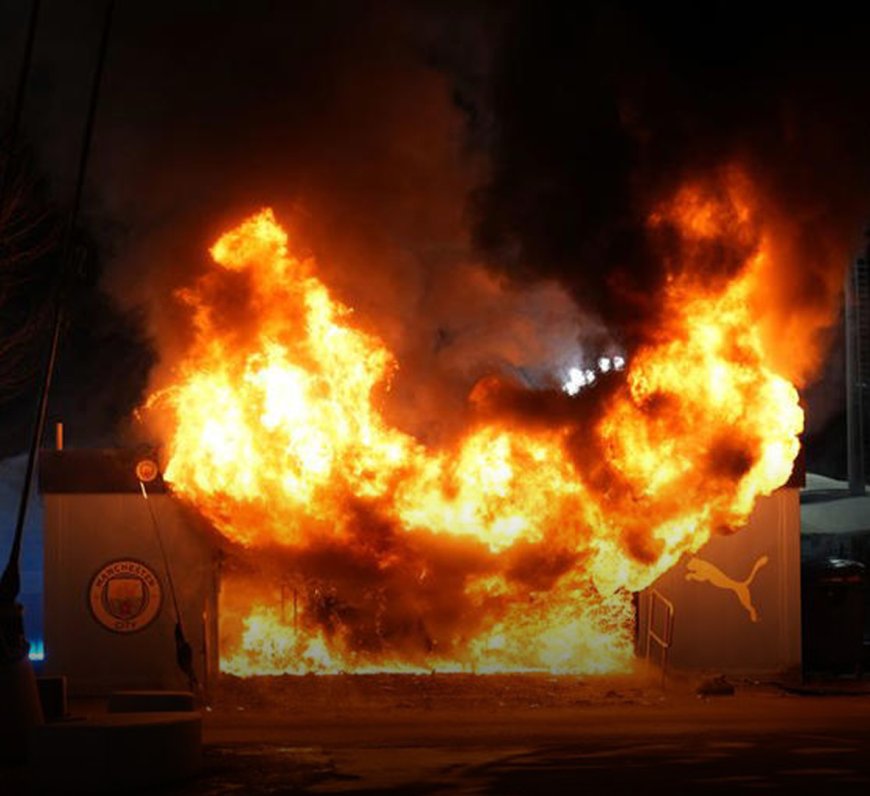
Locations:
(402, 142)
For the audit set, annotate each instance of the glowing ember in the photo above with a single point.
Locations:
(517, 546)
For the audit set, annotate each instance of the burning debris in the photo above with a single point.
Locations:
(515, 546)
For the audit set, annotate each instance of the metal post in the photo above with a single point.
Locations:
(854, 408)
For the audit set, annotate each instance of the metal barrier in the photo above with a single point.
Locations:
(663, 641)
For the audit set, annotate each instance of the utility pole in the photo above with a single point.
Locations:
(18, 694)
(21, 708)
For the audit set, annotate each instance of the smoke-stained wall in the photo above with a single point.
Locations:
(737, 601)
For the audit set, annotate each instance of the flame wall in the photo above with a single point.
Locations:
(516, 544)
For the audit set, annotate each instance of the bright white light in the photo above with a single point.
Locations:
(578, 378)
(576, 381)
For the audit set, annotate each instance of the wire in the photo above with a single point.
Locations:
(183, 651)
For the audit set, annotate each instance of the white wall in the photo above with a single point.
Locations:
(83, 532)
(713, 631)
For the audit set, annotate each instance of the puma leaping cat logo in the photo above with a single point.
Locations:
(700, 570)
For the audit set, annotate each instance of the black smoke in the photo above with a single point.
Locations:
(404, 143)
(600, 110)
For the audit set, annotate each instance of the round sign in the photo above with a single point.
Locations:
(146, 470)
(125, 596)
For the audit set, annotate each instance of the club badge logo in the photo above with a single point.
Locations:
(146, 470)
(125, 596)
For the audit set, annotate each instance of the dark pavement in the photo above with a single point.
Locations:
(515, 735)
(524, 735)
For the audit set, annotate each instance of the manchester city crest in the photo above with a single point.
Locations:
(125, 596)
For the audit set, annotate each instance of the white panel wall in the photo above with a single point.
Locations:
(83, 532)
(713, 631)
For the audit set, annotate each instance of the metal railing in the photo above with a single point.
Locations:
(665, 640)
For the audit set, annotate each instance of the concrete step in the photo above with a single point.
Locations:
(20, 709)
(53, 697)
(117, 752)
(150, 701)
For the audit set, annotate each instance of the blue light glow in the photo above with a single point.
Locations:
(37, 650)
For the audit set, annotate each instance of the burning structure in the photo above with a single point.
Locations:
(560, 480)
(517, 543)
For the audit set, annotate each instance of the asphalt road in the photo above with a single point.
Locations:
(523, 735)
(532, 736)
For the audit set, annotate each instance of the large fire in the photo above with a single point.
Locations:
(514, 547)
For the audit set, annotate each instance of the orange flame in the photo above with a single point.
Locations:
(514, 548)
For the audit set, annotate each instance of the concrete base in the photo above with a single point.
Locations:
(53, 697)
(119, 752)
(20, 709)
(151, 701)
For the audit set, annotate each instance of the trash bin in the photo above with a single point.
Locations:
(832, 611)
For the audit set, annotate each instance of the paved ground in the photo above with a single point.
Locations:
(518, 735)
